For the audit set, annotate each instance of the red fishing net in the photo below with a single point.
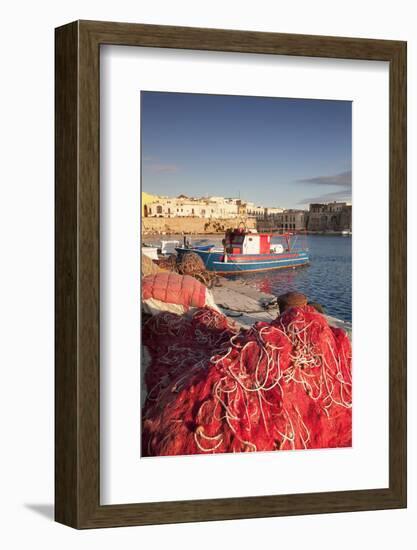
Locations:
(214, 389)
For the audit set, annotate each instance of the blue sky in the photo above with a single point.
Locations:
(272, 151)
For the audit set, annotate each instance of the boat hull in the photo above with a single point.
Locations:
(241, 263)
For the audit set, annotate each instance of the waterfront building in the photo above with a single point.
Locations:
(147, 198)
(290, 220)
(285, 220)
(272, 211)
(262, 212)
(333, 216)
(183, 206)
(211, 207)
(254, 211)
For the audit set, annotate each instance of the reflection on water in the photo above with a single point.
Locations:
(327, 280)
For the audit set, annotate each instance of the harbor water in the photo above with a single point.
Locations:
(327, 280)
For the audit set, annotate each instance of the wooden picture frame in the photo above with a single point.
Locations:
(77, 382)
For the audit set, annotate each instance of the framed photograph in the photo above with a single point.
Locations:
(230, 274)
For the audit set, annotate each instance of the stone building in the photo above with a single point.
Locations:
(183, 206)
(334, 216)
(271, 211)
(213, 207)
(262, 212)
(290, 220)
(254, 211)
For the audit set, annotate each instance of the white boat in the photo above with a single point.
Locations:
(150, 251)
(165, 248)
(168, 247)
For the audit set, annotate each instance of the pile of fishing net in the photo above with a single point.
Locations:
(214, 389)
(169, 263)
(190, 263)
(178, 346)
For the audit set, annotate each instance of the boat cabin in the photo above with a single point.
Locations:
(239, 241)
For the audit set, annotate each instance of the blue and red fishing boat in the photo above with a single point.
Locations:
(247, 251)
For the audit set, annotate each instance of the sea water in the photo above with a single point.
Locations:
(326, 280)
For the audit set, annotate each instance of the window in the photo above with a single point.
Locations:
(159, 209)
(150, 210)
(237, 239)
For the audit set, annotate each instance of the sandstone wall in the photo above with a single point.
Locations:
(189, 225)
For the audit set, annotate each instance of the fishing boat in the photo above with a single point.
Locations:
(155, 251)
(150, 251)
(247, 251)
